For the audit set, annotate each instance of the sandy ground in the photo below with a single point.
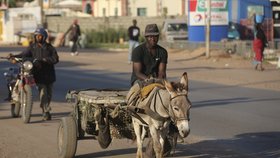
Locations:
(225, 69)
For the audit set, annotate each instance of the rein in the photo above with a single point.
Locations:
(152, 113)
(170, 109)
(177, 96)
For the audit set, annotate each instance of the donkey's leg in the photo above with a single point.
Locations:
(143, 133)
(158, 142)
(137, 130)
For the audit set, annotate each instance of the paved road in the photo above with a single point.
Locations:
(226, 121)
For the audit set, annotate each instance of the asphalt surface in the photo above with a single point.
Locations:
(228, 118)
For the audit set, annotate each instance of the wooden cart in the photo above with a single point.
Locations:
(97, 114)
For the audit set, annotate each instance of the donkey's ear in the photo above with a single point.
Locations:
(184, 81)
(168, 86)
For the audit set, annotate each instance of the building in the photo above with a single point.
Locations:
(223, 12)
(17, 22)
(106, 8)
(276, 18)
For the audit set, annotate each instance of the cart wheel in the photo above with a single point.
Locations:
(67, 138)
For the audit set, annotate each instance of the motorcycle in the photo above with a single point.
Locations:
(20, 83)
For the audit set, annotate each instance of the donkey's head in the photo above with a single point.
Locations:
(180, 104)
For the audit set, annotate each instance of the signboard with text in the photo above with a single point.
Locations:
(198, 12)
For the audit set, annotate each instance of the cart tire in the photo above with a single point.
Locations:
(67, 138)
(15, 109)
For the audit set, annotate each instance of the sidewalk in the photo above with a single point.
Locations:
(227, 69)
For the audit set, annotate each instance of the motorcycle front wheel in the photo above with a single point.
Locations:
(26, 103)
(15, 109)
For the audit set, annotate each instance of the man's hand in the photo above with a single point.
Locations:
(149, 80)
(63, 36)
(9, 56)
(37, 64)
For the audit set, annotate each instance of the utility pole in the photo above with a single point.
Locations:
(208, 24)
(42, 13)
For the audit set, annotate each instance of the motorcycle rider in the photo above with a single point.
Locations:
(44, 57)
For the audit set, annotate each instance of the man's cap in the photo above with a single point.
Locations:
(151, 30)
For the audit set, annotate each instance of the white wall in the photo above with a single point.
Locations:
(174, 7)
(150, 5)
(109, 5)
(9, 25)
(152, 8)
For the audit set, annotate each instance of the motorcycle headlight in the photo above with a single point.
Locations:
(6, 74)
(27, 65)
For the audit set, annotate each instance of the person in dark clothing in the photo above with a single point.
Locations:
(133, 33)
(149, 59)
(74, 36)
(44, 57)
(259, 43)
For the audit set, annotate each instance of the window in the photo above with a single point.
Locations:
(177, 27)
(129, 11)
(141, 11)
(26, 16)
(116, 11)
(88, 9)
(276, 17)
(104, 11)
(165, 11)
(255, 9)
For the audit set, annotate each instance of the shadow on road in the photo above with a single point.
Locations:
(248, 145)
(217, 102)
(192, 58)
(108, 153)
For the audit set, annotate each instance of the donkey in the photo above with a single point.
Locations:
(161, 106)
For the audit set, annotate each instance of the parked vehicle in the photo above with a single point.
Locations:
(233, 33)
(11, 77)
(174, 29)
(20, 86)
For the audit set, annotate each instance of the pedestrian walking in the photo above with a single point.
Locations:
(74, 36)
(259, 43)
(133, 33)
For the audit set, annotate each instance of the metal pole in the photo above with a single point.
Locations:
(208, 23)
(42, 13)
